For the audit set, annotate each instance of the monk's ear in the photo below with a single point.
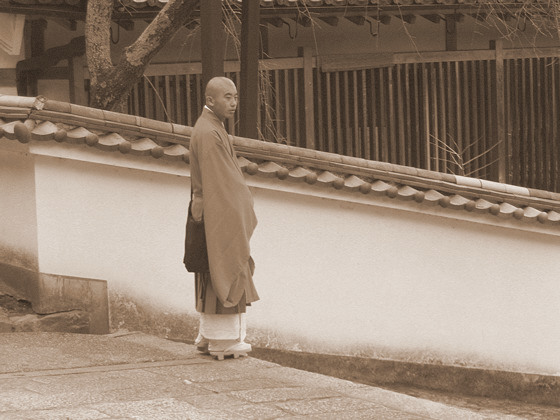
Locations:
(209, 101)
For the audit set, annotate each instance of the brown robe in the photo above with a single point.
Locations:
(219, 189)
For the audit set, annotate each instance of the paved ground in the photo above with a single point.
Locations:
(124, 376)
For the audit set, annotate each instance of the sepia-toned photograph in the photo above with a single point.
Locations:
(279, 209)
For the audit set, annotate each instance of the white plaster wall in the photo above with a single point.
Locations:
(18, 224)
(351, 273)
(117, 224)
(333, 268)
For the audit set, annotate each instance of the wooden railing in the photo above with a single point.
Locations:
(491, 114)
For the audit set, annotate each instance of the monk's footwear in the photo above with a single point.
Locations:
(219, 350)
(201, 344)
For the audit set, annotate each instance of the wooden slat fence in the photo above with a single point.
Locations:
(491, 114)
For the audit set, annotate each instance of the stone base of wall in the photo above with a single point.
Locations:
(57, 303)
(527, 388)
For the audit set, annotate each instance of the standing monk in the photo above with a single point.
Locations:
(221, 196)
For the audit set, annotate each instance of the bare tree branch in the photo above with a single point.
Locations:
(111, 83)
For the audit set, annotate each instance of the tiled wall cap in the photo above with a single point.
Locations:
(482, 205)
(298, 173)
(17, 101)
(110, 141)
(406, 192)
(432, 196)
(143, 146)
(507, 209)
(531, 213)
(77, 135)
(60, 135)
(157, 152)
(554, 216)
(269, 169)
(120, 132)
(327, 177)
(91, 139)
(22, 133)
(45, 130)
(380, 186)
(467, 181)
(419, 196)
(458, 201)
(542, 217)
(175, 151)
(392, 191)
(353, 183)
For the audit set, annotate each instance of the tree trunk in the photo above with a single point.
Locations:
(110, 84)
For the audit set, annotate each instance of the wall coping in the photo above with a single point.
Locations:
(38, 119)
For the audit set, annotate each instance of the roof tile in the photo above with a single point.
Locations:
(175, 151)
(482, 205)
(109, 142)
(44, 131)
(468, 182)
(270, 169)
(58, 106)
(142, 146)
(353, 183)
(493, 186)
(406, 192)
(458, 202)
(380, 186)
(530, 213)
(432, 197)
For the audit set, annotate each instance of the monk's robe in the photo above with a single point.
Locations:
(219, 188)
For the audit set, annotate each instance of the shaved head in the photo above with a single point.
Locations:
(221, 97)
(217, 85)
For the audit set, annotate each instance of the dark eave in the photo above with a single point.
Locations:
(298, 10)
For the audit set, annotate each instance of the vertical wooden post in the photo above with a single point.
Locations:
(500, 129)
(34, 46)
(76, 80)
(249, 85)
(212, 39)
(451, 32)
(309, 106)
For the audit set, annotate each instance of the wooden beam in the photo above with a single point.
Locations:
(458, 17)
(384, 19)
(249, 85)
(68, 24)
(278, 22)
(358, 20)
(407, 18)
(303, 21)
(126, 24)
(50, 58)
(212, 39)
(330, 20)
(432, 18)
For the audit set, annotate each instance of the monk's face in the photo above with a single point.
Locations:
(223, 99)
